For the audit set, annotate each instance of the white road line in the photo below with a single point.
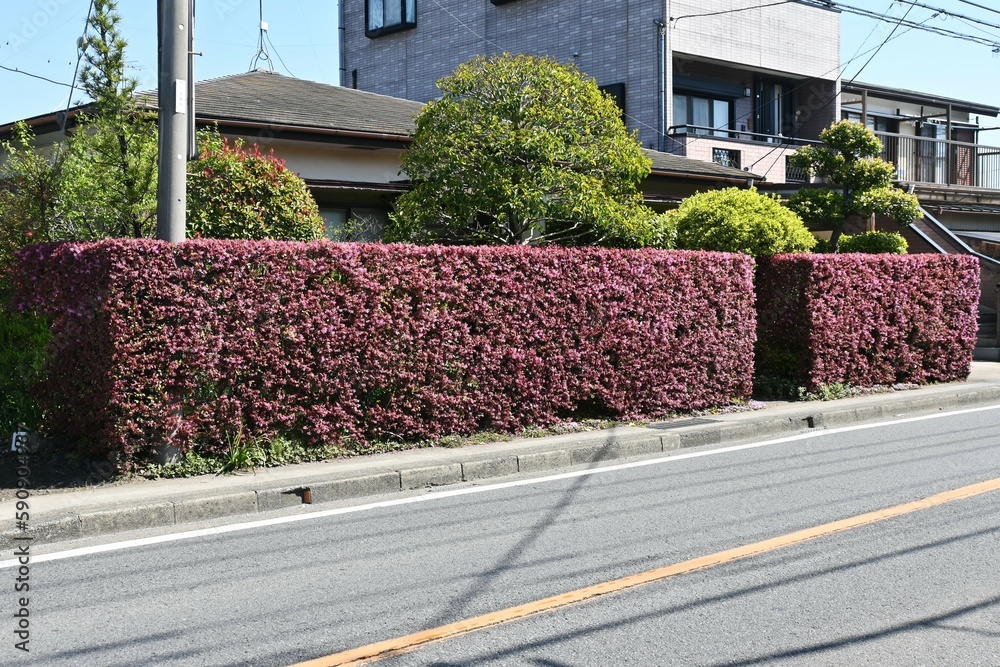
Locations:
(219, 530)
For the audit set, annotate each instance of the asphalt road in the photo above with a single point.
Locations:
(919, 589)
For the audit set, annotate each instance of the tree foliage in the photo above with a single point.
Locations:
(109, 177)
(859, 181)
(521, 149)
(100, 181)
(29, 190)
(737, 220)
(240, 193)
(874, 243)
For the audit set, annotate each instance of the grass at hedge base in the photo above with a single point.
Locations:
(865, 320)
(325, 343)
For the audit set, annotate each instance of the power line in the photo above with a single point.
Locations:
(34, 76)
(946, 12)
(267, 36)
(884, 42)
(674, 20)
(989, 9)
(81, 46)
(856, 75)
(945, 32)
(874, 28)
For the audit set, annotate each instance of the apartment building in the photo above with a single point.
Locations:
(737, 82)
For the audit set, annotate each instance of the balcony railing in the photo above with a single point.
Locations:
(704, 132)
(926, 160)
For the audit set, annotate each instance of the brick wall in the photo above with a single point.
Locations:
(613, 41)
(763, 159)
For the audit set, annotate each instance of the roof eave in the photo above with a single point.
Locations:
(914, 97)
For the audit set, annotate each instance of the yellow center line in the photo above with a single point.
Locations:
(407, 643)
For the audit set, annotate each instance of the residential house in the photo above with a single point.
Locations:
(348, 144)
(717, 80)
(943, 155)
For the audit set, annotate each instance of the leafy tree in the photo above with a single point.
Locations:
(737, 220)
(109, 176)
(100, 181)
(859, 181)
(239, 193)
(521, 149)
(29, 194)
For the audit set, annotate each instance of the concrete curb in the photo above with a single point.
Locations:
(391, 473)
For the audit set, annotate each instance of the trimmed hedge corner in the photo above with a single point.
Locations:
(866, 319)
(155, 343)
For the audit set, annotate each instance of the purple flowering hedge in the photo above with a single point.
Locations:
(866, 319)
(155, 343)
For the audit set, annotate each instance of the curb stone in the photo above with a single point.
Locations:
(473, 464)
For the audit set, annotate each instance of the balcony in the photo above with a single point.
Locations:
(761, 154)
(942, 162)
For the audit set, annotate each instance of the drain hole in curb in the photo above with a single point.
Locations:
(304, 493)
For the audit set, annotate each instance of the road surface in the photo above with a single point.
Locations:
(919, 588)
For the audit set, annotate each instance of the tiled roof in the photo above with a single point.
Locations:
(270, 98)
(267, 98)
(668, 163)
(273, 99)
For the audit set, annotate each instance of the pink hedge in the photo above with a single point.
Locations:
(866, 319)
(185, 343)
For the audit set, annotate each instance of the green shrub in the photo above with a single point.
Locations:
(22, 350)
(874, 243)
(239, 193)
(521, 149)
(823, 246)
(736, 220)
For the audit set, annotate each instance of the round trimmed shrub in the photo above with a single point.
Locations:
(874, 243)
(235, 192)
(737, 220)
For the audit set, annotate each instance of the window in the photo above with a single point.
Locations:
(775, 112)
(794, 174)
(875, 123)
(501, 2)
(617, 93)
(708, 116)
(386, 16)
(726, 157)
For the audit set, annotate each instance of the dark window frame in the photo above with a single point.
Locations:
(717, 130)
(406, 22)
(616, 91)
(727, 157)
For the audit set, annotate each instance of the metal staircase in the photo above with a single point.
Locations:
(930, 232)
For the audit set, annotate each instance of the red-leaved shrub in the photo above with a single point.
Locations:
(866, 319)
(155, 343)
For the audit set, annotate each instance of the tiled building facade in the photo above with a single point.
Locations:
(732, 69)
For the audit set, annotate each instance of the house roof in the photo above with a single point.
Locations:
(668, 164)
(914, 97)
(269, 98)
(296, 108)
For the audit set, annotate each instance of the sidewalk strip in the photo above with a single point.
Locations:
(407, 643)
(672, 458)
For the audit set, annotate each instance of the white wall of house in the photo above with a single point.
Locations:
(339, 163)
(791, 37)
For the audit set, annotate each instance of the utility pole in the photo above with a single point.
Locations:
(175, 34)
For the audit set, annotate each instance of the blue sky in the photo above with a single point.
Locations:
(39, 36)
